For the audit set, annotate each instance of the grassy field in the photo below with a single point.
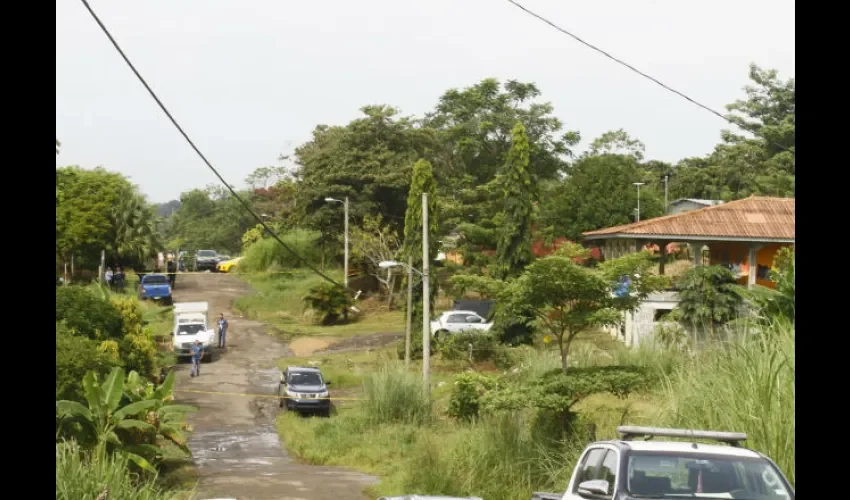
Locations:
(746, 387)
(278, 301)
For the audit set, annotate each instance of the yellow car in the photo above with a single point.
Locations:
(227, 265)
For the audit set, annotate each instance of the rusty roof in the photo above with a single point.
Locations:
(755, 218)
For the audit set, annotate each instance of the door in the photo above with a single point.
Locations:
(588, 470)
(456, 322)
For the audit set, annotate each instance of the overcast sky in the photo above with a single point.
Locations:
(249, 80)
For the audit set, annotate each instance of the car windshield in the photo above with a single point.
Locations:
(665, 475)
(155, 280)
(206, 253)
(190, 329)
(304, 378)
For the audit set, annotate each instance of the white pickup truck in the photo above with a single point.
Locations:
(625, 469)
(191, 322)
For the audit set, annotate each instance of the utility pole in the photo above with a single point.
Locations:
(102, 266)
(409, 324)
(638, 184)
(426, 302)
(665, 194)
(345, 265)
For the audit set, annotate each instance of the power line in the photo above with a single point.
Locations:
(641, 73)
(201, 155)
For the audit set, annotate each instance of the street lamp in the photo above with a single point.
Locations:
(426, 300)
(345, 265)
(638, 184)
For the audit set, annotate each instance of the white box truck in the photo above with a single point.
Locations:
(191, 322)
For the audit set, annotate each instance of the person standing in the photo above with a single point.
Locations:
(197, 355)
(171, 267)
(222, 331)
(108, 277)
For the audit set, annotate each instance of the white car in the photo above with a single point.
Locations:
(626, 469)
(458, 321)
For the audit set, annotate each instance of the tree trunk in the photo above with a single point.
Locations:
(390, 288)
(563, 350)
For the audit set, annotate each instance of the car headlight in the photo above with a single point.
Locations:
(323, 394)
(290, 393)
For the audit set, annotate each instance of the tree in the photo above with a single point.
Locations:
(475, 126)
(132, 237)
(617, 142)
(373, 243)
(518, 188)
(330, 301)
(567, 299)
(211, 219)
(599, 193)
(86, 203)
(422, 182)
(707, 297)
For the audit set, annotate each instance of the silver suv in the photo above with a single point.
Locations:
(206, 260)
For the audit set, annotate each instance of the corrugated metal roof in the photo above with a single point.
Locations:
(757, 218)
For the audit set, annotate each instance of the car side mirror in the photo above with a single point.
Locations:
(327, 382)
(593, 489)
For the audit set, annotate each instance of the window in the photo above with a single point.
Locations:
(189, 329)
(155, 280)
(589, 467)
(473, 319)
(304, 378)
(206, 253)
(608, 470)
(661, 314)
(457, 318)
(685, 474)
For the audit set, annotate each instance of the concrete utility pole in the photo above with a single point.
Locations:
(638, 184)
(665, 195)
(409, 324)
(345, 265)
(426, 302)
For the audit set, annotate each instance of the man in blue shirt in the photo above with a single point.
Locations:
(222, 331)
(197, 354)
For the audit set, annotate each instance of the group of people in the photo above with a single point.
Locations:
(198, 351)
(114, 279)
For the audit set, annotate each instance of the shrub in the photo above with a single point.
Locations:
(137, 347)
(87, 314)
(416, 348)
(75, 355)
(80, 474)
(267, 253)
(393, 395)
(331, 302)
(465, 400)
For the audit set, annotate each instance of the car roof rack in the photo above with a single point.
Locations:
(732, 438)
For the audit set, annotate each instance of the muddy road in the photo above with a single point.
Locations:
(234, 442)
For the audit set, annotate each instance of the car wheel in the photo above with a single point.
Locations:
(439, 335)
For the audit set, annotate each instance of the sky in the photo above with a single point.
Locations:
(250, 80)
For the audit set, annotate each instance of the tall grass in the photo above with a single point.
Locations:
(267, 254)
(81, 476)
(394, 395)
(746, 386)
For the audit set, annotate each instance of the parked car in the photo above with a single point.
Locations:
(625, 469)
(155, 287)
(304, 390)
(191, 323)
(458, 321)
(227, 265)
(206, 260)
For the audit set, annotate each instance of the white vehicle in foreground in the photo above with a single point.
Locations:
(458, 321)
(625, 469)
(191, 322)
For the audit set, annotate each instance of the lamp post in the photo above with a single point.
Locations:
(638, 184)
(345, 265)
(426, 300)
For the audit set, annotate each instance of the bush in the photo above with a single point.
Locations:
(330, 301)
(88, 314)
(267, 254)
(393, 395)
(75, 355)
(416, 348)
(456, 346)
(464, 402)
(80, 475)
(137, 347)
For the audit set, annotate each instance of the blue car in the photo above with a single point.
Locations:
(155, 287)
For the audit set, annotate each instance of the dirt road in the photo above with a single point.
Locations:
(234, 442)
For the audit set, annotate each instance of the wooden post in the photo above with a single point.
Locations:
(65, 282)
(408, 327)
(662, 248)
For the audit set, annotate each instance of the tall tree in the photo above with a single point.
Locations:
(422, 182)
(519, 192)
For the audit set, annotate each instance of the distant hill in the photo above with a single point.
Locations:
(165, 209)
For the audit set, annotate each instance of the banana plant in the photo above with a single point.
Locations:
(104, 417)
(167, 418)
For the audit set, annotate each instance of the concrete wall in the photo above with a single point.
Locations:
(640, 324)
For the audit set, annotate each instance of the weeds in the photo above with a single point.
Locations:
(393, 395)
